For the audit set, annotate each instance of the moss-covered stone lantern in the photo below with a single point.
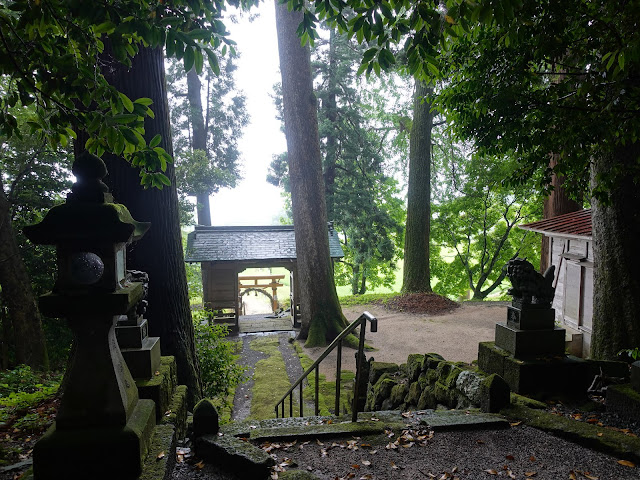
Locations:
(100, 418)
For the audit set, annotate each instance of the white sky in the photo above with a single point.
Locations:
(254, 201)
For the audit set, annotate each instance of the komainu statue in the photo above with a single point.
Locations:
(529, 286)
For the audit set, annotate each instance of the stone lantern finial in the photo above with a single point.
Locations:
(89, 171)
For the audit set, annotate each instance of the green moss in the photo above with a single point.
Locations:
(270, 378)
(591, 436)
(326, 389)
(526, 401)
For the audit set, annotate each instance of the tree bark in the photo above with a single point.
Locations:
(557, 203)
(18, 296)
(322, 318)
(416, 275)
(332, 141)
(159, 253)
(199, 139)
(616, 230)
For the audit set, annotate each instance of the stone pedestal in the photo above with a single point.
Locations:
(530, 332)
(140, 351)
(553, 375)
(100, 422)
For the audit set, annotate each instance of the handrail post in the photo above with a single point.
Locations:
(359, 362)
(338, 378)
(317, 390)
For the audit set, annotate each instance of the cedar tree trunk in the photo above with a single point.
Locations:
(322, 318)
(332, 140)
(416, 275)
(159, 253)
(557, 203)
(199, 139)
(616, 230)
(18, 296)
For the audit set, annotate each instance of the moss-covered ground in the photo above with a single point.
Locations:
(270, 378)
(326, 389)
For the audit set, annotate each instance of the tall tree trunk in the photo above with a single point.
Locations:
(199, 139)
(18, 296)
(616, 230)
(322, 318)
(416, 275)
(159, 253)
(557, 203)
(332, 138)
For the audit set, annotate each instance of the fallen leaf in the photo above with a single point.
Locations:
(530, 474)
(366, 463)
(454, 470)
(572, 475)
(510, 457)
(160, 456)
(515, 424)
(480, 442)
(599, 434)
(532, 458)
(491, 471)
(200, 465)
(356, 466)
(511, 475)
(391, 446)
(395, 467)
(368, 476)
(590, 477)
(627, 463)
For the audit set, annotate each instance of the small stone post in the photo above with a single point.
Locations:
(102, 429)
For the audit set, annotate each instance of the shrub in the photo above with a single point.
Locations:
(219, 365)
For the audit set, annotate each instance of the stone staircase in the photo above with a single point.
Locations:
(171, 418)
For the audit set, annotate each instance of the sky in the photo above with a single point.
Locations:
(254, 201)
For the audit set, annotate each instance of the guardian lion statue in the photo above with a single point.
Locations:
(529, 286)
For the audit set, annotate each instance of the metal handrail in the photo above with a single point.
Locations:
(337, 342)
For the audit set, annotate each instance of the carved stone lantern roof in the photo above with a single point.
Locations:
(88, 217)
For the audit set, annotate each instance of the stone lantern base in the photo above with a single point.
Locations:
(96, 453)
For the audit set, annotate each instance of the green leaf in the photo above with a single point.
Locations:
(128, 104)
(144, 101)
(188, 59)
(198, 61)
(213, 61)
(130, 136)
(155, 141)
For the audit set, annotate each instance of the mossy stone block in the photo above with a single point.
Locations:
(450, 380)
(398, 392)
(431, 360)
(205, 418)
(380, 392)
(377, 369)
(176, 414)
(234, 455)
(444, 395)
(427, 399)
(161, 458)
(413, 396)
(414, 366)
(491, 358)
(624, 400)
(432, 376)
(495, 394)
(160, 388)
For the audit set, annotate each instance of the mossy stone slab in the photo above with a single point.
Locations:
(453, 420)
(234, 454)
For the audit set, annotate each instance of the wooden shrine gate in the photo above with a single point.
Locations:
(256, 279)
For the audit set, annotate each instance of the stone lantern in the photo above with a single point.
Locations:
(102, 428)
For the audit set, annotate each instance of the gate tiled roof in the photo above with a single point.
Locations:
(248, 243)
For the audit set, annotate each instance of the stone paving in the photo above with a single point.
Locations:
(258, 323)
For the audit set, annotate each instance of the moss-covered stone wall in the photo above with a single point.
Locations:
(428, 381)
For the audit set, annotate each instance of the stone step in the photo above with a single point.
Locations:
(161, 387)
(159, 463)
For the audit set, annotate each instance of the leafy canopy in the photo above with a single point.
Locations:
(53, 55)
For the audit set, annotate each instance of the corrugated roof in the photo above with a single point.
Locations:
(574, 224)
(248, 243)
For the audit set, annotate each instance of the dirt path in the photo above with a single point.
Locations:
(454, 335)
